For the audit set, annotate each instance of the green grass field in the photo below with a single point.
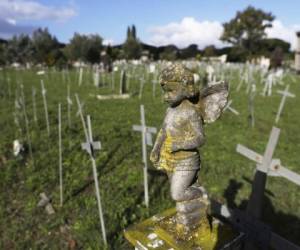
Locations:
(226, 174)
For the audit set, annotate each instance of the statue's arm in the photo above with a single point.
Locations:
(194, 138)
(154, 157)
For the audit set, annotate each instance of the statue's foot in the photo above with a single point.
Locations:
(191, 213)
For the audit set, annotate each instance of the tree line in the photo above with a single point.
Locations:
(245, 35)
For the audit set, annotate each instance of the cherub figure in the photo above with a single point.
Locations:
(176, 147)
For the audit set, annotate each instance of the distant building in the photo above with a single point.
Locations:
(215, 59)
(297, 53)
(145, 56)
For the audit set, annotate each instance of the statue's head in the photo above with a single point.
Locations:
(177, 83)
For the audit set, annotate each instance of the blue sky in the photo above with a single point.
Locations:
(158, 22)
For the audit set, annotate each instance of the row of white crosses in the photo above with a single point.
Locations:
(90, 146)
(146, 140)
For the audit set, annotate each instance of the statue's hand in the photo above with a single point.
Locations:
(154, 156)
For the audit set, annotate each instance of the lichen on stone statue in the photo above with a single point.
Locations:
(176, 150)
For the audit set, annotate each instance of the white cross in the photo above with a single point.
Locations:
(142, 82)
(268, 85)
(45, 106)
(34, 104)
(284, 94)
(96, 78)
(60, 156)
(230, 108)
(146, 140)
(262, 166)
(80, 76)
(255, 204)
(210, 71)
(80, 108)
(90, 146)
(69, 102)
(275, 168)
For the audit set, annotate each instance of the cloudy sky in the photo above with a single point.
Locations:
(158, 22)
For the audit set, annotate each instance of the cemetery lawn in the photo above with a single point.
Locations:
(226, 175)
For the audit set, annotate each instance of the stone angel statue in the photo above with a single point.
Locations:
(176, 148)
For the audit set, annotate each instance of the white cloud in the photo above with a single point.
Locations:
(11, 21)
(8, 28)
(108, 42)
(203, 33)
(32, 10)
(186, 32)
(286, 33)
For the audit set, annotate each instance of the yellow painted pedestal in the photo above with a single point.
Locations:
(159, 232)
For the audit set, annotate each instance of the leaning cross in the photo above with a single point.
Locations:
(274, 169)
(231, 108)
(284, 94)
(80, 106)
(255, 205)
(90, 146)
(256, 199)
(146, 140)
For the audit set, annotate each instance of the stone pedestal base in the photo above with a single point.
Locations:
(163, 232)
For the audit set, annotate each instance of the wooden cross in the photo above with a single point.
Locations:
(284, 94)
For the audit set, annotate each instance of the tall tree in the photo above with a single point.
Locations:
(2, 54)
(128, 32)
(133, 31)
(84, 48)
(19, 49)
(247, 29)
(132, 47)
(46, 46)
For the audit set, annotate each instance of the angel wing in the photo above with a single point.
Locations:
(212, 101)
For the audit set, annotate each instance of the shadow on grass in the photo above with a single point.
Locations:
(102, 166)
(285, 225)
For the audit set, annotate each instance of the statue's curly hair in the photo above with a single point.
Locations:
(178, 73)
